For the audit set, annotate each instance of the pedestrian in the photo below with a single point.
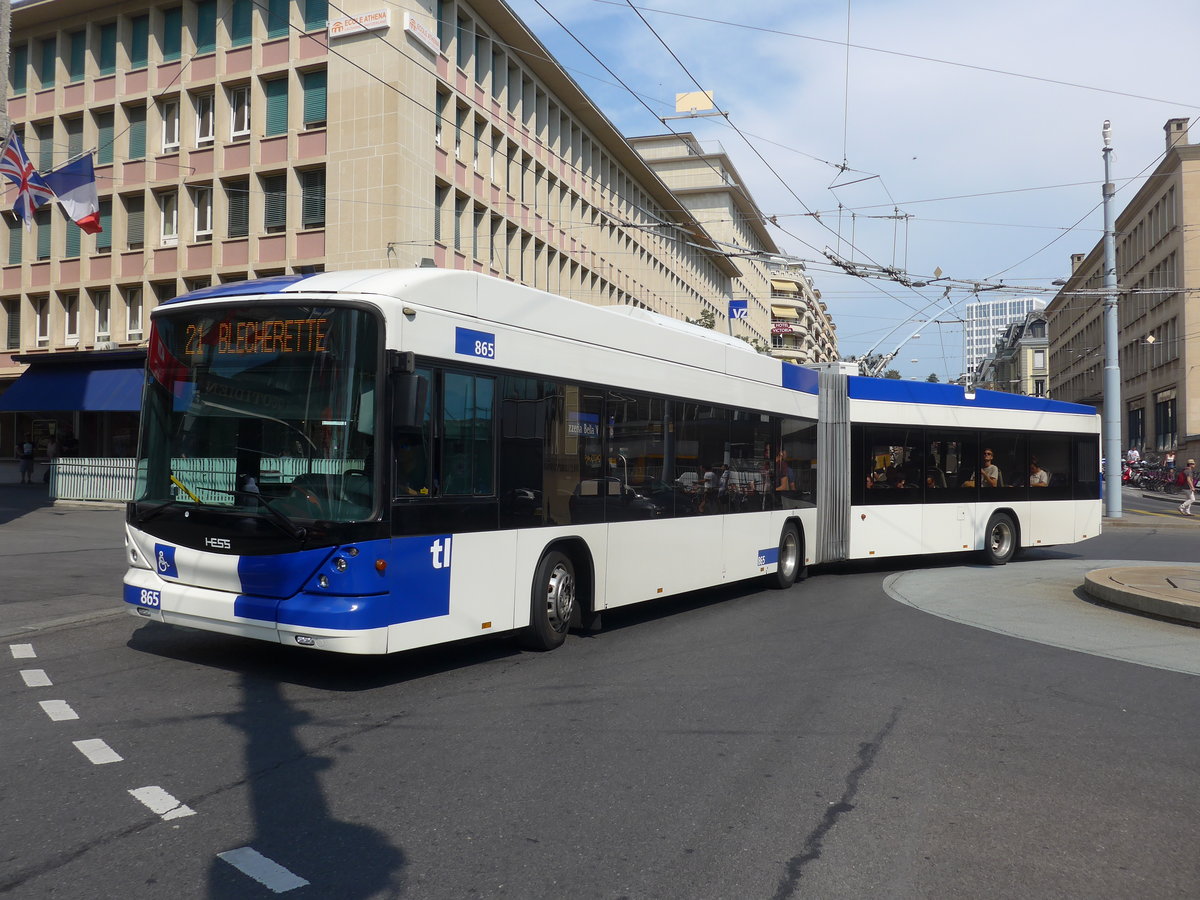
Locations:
(1132, 455)
(1189, 484)
(25, 451)
(53, 451)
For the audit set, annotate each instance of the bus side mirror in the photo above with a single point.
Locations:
(409, 392)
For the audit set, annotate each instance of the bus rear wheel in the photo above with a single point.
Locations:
(1000, 540)
(552, 602)
(788, 569)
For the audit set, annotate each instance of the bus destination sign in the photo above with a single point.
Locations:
(259, 336)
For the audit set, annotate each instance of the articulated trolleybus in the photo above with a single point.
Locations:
(374, 461)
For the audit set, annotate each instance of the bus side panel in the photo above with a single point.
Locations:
(670, 556)
(877, 531)
(481, 577)
(531, 543)
(1088, 518)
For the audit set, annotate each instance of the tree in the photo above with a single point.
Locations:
(893, 373)
(707, 319)
(932, 377)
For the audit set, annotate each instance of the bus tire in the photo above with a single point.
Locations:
(999, 540)
(552, 602)
(790, 562)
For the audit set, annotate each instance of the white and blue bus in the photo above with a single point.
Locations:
(374, 461)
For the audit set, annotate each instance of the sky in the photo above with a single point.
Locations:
(980, 124)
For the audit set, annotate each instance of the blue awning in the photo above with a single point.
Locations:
(60, 388)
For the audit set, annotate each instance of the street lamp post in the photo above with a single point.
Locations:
(1112, 367)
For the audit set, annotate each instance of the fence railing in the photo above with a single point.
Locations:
(210, 480)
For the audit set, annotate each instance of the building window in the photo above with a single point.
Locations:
(104, 237)
(237, 194)
(137, 132)
(241, 22)
(139, 42)
(45, 139)
(313, 84)
(202, 204)
(1039, 359)
(204, 119)
(74, 128)
(106, 57)
(43, 223)
(101, 302)
(277, 18)
(135, 221)
(78, 56)
(206, 26)
(1164, 420)
(164, 291)
(1039, 387)
(70, 305)
(18, 77)
(133, 313)
(172, 34)
(169, 109)
(47, 62)
(168, 207)
(276, 91)
(41, 312)
(12, 312)
(274, 203)
(16, 233)
(74, 236)
(316, 14)
(312, 198)
(239, 111)
(104, 137)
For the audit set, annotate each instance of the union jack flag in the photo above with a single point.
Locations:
(32, 192)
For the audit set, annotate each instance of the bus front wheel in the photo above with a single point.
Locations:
(552, 602)
(1000, 540)
(788, 569)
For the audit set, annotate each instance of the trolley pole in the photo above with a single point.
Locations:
(1112, 366)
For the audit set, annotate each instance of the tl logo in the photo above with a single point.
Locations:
(440, 551)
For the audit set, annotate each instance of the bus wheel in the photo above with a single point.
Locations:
(552, 602)
(789, 558)
(1000, 540)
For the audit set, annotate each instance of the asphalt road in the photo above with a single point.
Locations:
(826, 741)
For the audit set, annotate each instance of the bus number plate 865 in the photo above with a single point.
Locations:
(480, 344)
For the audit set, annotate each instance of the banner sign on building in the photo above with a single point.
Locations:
(424, 35)
(739, 309)
(371, 21)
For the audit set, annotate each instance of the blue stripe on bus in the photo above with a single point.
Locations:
(414, 585)
(272, 285)
(798, 378)
(895, 390)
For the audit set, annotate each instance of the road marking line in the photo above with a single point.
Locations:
(36, 678)
(250, 862)
(22, 651)
(162, 803)
(97, 751)
(58, 710)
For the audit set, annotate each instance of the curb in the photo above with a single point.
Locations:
(1138, 589)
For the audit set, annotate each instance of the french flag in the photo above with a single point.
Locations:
(75, 186)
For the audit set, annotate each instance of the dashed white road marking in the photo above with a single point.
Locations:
(97, 751)
(162, 803)
(36, 678)
(58, 710)
(267, 872)
(22, 651)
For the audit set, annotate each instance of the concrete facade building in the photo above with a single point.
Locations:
(784, 308)
(250, 138)
(1019, 363)
(985, 322)
(1158, 289)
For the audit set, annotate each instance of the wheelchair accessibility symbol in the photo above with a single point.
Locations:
(164, 560)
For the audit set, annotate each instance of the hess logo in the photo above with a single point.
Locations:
(217, 543)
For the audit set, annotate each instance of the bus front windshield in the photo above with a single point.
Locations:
(262, 409)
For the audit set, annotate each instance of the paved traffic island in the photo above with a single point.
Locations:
(1172, 592)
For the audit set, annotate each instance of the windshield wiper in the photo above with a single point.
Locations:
(293, 528)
